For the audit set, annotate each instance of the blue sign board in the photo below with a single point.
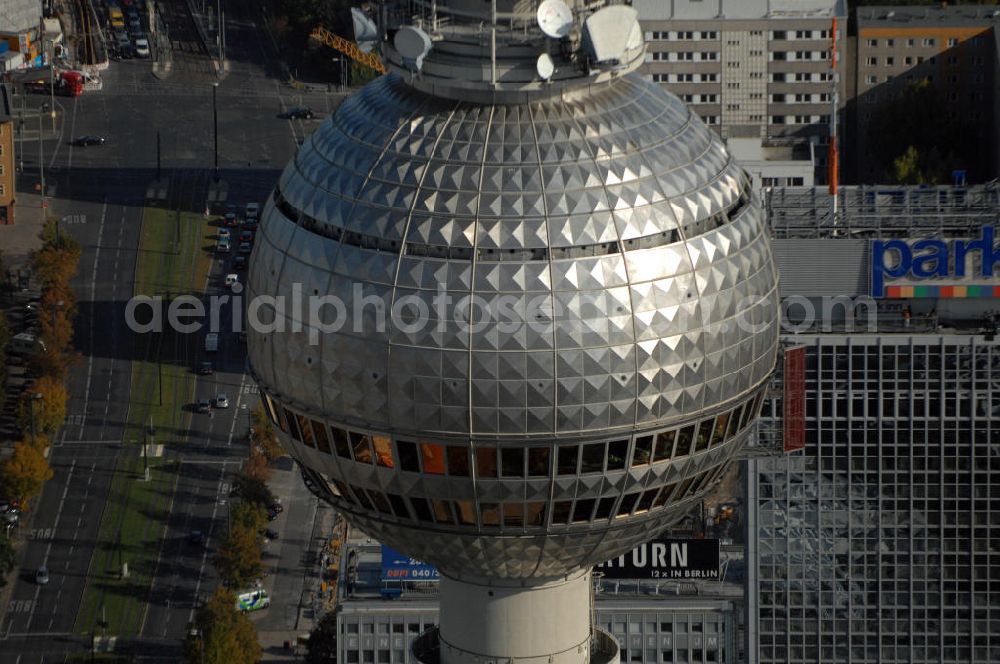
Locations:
(935, 268)
(398, 566)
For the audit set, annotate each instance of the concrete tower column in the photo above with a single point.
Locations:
(545, 623)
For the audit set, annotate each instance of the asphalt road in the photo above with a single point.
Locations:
(99, 192)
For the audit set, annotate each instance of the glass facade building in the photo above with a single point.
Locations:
(880, 542)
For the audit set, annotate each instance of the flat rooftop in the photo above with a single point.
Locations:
(703, 10)
(961, 16)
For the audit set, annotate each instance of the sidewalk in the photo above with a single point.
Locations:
(307, 606)
(21, 237)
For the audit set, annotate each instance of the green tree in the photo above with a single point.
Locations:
(238, 558)
(263, 435)
(321, 648)
(24, 473)
(915, 139)
(221, 634)
(49, 410)
(253, 490)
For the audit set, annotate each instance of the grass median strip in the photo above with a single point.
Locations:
(172, 260)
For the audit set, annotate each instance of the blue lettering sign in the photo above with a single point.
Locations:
(929, 259)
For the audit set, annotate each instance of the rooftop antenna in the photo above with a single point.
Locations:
(545, 67)
(555, 18)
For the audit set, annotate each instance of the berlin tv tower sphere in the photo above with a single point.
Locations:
(533, 326)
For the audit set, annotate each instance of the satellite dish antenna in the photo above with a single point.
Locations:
(413, 44)
(612, 34)
(545, 67)
(363, 30)
(555, 18)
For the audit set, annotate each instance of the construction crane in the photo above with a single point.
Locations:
(347, 47)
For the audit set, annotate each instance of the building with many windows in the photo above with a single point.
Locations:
(953, 48)
(749, 68)
(877, 541)
(697, 622)
(6, 157)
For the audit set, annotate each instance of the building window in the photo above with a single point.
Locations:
(908, 60)
(711, 119)
(911, 42)
(709, 55)
(779, 34)
(432, 455)
(661, 78)
(890, 43)
(890, 61)
(871, 61)
(872, 43)
(780, 55)
(871, 79)
(930, 42)
(952, 41)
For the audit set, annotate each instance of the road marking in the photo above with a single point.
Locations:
(204, 556)
(48, 549)
(39, 534)
(93, 298)
(232, 428)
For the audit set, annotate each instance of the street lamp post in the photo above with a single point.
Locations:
(34, 397)
(41, 163)
(215, 121)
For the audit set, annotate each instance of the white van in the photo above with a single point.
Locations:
(252, 600)
(25, 343)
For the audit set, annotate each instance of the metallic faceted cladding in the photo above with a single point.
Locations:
(614, 205)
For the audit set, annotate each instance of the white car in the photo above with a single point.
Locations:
(232, 279)
(252, 210)
(42, 576)
(142, 48)
(221, 400)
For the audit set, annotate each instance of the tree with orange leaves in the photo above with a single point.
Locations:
(49, 397)
(24, 473)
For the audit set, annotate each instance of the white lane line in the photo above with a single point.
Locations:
(72, 129)
(236, 411)
(93, 298)
(55, 528)
(208, 538)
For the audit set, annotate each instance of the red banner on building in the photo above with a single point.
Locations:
(794, 398)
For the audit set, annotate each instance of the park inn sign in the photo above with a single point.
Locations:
(935, 268)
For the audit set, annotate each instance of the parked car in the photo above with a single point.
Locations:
(206, 369)
(85, 141)
(230, 219)
(224, 234)
(246, 235)
(232, 279)
(196, 537)
(252, 211)
(142, 47)
(269, 533)
(223, 245)
(298, 113)
(42, 576)
(240, 263)
(272, 514)
(221, 400)
(204, 406)
(245, 247)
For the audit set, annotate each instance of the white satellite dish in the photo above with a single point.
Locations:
(365, 32)
(413, 44)
(545, 66)
(555, 18)
(612, 33)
